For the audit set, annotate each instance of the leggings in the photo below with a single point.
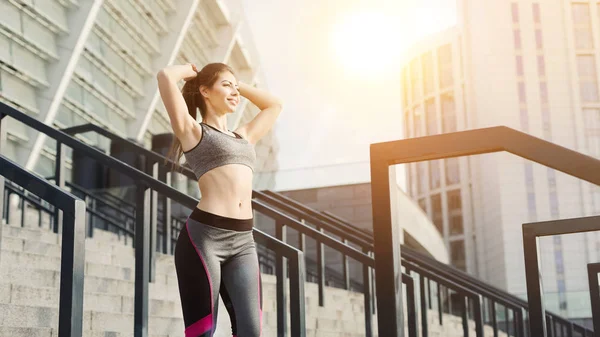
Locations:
(217, 255)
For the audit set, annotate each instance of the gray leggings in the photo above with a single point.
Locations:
(217, 255)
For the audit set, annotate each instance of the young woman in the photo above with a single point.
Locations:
(215, 251)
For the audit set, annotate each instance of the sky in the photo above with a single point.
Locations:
(336, 66)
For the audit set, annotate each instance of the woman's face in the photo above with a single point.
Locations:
(223, 96)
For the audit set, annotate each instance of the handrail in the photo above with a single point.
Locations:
(145, 184)
(455, 275)
(70, 316)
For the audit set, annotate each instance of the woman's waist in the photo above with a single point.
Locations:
(224, 221)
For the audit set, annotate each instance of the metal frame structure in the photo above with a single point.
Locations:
(531, 232)
(487, 140)
(72, 262)
(593, 271)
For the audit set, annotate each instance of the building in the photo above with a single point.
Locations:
(70, 62)
(531, 66)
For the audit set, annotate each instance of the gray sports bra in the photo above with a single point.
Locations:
(217, 148)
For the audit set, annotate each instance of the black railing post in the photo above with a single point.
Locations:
(346, 268)
(368, 303)
(3, 125)
(321, 270)
(465, 315)
(59, 180)
(494, 318)
(142, 259)
(411, 304)
(165, 176)
(2, 182)
(153, 171)
(281, 275)
(72, 264)
(297, 306)
(537, 323)
(549, 326)
(439, 302)
(478, 312)
(424, 320)
(593, 269)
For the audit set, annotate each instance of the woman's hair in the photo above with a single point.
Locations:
(194, 101)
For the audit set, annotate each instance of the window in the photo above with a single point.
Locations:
(582, 26)
(445, 65)
(536, 13)
(544, 92)
(423, 205)
(455, 212)
(417, 116)
(457, 254)
(586, 67)
(515, 12)
(422, 176)
(434, 174)
(427, 62)
(522, 93)
(539, 42)
(452, 171)
(437, 215)
(415, 80)
(431, 116)
(591, 119)
(520, 71)
(541, 63)
(448, 113)
(517, 39)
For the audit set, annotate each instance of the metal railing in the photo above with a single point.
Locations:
(146, 224)
(457, 144)
(70, 316)
(438, 272)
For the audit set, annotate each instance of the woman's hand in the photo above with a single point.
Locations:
(192, 76)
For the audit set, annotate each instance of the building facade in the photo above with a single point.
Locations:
(72, 62)
(531, 66)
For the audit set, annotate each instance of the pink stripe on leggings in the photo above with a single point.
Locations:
(205, 324)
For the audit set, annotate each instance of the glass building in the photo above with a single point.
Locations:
(531, 66)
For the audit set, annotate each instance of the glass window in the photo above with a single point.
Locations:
(591, 119)
(536, 13)
(519, 65)
(417, 117)
(452, 171)
(586, 66)
(524, 117)
(448, 112)
(522, 94)
(544, 92)
(415, 80)
(517, 38)
(445, 65)
(427, 62)
(423, 205)
(515, 12)
(455, 212)
(457, 254)
(431, 116)
(422, 176)
(582, 26)
(541, 63)
(437, 215)
(539, 42)
(434, 174)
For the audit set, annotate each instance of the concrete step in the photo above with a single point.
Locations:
(18, 294)
(44, 317)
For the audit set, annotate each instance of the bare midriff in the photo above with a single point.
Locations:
(227, 191)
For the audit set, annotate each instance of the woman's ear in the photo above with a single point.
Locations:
(204, 91)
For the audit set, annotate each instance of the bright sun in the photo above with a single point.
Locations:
(367, 43)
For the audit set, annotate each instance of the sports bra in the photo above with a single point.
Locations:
(217, 148)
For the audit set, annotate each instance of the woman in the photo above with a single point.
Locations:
(215, 251)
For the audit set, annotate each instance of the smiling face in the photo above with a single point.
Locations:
(223, 96)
